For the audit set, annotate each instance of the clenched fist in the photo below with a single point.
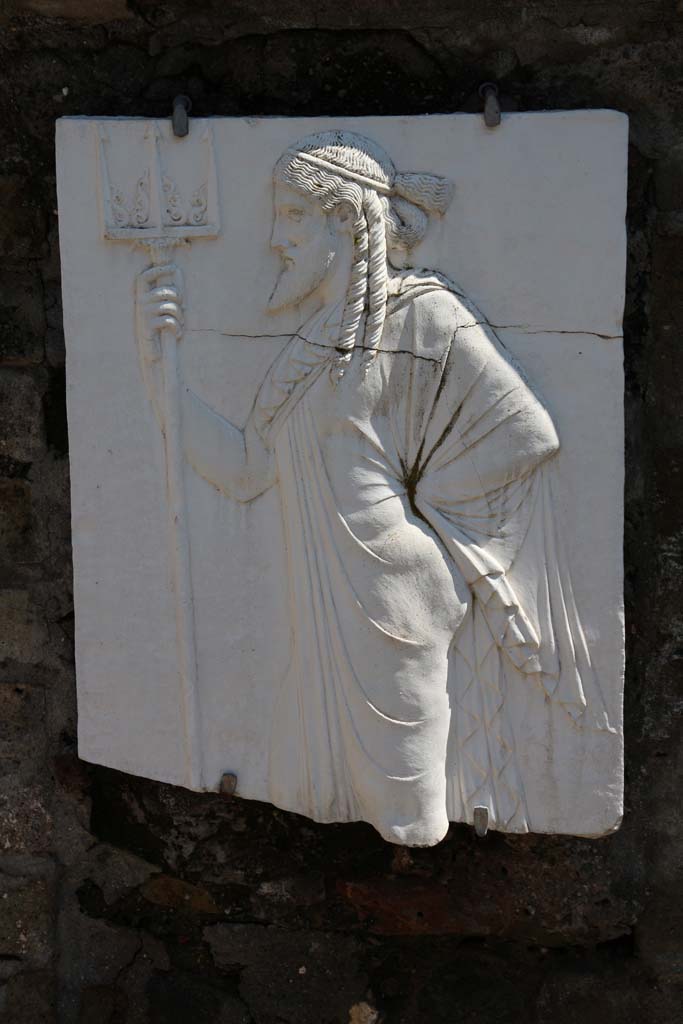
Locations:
(159, 307)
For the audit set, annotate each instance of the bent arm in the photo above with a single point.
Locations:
(505, 447)
(235, 461)
(490, 428)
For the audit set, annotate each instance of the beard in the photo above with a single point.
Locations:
(301, 274)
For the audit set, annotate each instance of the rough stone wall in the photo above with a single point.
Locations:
(123, 901)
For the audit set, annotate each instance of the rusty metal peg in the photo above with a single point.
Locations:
(182, 105)
(480, 820)
(489, 93)
(228, 784)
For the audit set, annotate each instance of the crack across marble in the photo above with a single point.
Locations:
(404, 351)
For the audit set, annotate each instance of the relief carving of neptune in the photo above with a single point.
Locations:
(413, 460)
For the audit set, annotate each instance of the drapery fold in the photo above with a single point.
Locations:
(498, 523)
(371, 722)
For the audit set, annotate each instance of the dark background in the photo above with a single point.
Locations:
(123, 900)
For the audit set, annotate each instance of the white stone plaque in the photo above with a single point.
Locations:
(345, 417)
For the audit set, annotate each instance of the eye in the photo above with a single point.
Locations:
(295, 214)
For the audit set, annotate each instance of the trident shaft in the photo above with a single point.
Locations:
(160, 219)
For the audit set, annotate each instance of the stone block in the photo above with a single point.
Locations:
(597, 993)
(22, 727)
(15, 521)
(173, 893)
(23, 733)
(132, 996)
(102, 1004)
(21, 428)
(92, 952)
(175, 997)
(26, 919)
(30, 998)
(114, 873)
(23, 226)
(23, 627)
(658, 934)
(25, 817)
(25, 780)
(94, 12)
(514, 895)
(304, 976)
(22, 318)
(669, 181)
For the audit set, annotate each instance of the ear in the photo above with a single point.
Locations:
(343, 218)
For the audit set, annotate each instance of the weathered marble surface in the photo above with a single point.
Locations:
(535, 239)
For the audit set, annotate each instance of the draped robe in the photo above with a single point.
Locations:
(425, 574)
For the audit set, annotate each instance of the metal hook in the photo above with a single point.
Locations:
(480, 820)
(228, 784)
(182, 105)
(489, 93)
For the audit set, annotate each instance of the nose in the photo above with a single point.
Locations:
(279, 241)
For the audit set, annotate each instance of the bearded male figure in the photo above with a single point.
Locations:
(412, 457)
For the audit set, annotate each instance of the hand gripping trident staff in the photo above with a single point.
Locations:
(159, 219)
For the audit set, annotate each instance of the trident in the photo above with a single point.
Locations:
(160, 219)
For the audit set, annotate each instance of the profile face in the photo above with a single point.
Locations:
(305, 238)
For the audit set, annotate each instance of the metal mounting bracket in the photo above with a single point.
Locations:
(489, 93)
(480, 820)
(182, 105)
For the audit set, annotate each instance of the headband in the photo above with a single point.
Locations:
(343, 172)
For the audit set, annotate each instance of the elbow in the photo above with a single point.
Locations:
(541, 440)
(549, 440)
